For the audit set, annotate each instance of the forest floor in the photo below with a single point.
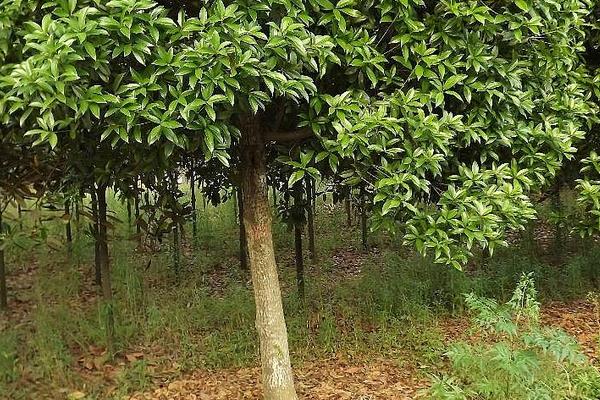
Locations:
(341, 377)
(376, 379)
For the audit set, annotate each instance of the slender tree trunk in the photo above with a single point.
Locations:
(176, 253)
(310, 195)
(299, 207)
(97, 256)
(363, 221)
(277, 376)
(274, 197)
(20, 215)
(348, 206)
(136, 205)
(129, 216)
(243, 244)
(105, 267)
(68, 230)
(559, 237)
(3, 291)
(176, 239)
(193, 200)
(236, 206)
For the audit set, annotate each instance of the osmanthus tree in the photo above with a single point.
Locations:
(451, 111)
(66, 85)
(478, 105)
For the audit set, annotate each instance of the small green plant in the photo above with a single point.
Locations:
(514, 357)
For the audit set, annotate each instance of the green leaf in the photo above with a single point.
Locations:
(295, 177)
(522, 4)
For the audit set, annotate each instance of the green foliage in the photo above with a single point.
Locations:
(450, 112)
(515, 357)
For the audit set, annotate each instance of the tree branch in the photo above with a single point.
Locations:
(289, 136)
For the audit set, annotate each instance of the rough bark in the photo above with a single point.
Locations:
(107, 295)
(3, 290)
(277, 377)
(97, 256)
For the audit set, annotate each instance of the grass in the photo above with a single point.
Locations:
(206, 320)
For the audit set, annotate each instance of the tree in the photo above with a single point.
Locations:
(449, 112)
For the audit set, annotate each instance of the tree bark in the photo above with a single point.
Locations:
(97, 256)
(348, 206)
(129, 216)
(136, 206)
(363, 221)
(68, 231)
(3, 290)
(298, 228)
(243, 244)
(107, 295)
(20, 215)
(310, 190)
(277, 376)
(193, 200)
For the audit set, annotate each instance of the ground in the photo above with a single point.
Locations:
(195, 339)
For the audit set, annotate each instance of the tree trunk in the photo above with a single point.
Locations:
(97, 256)
(277, 376)
(176, 253)
(20, 215)
(559, 236)
(129, 216)
(68, 231)
(3, 291)
(363, 221)
(310, 190)
(348, 206)
(243, 244)
(274, 197)
(107, 295)
(193, 200)
(298, 228)
(136, 206)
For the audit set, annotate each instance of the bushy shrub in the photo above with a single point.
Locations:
(512, 356)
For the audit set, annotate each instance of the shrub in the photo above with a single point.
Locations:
(512, 356)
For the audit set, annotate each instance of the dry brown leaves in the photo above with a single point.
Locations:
(333, 379)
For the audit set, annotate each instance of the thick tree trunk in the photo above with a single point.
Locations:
(107, 295)
(68, 230)
(277, 376)
(243, 244)
(310, 195)
(97, 256)
(3, 290)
